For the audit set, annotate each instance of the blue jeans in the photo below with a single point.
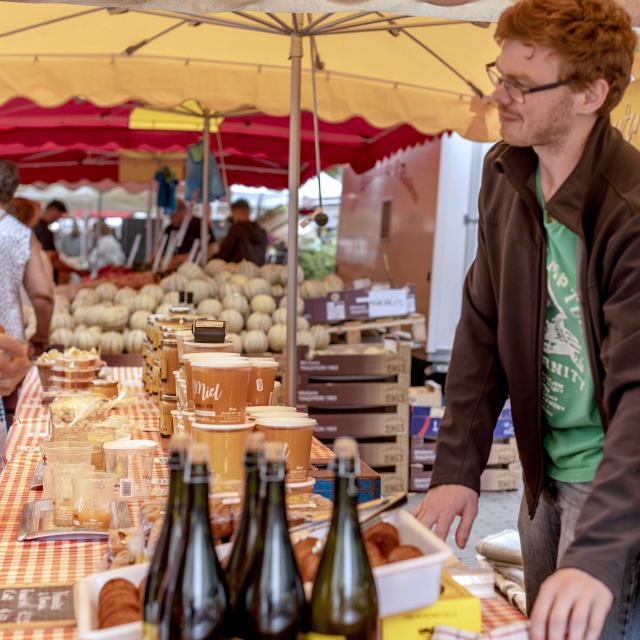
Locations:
(544, 541)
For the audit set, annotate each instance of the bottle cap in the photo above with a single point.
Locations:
(178, 442)
(275, 452)
(199, 454)
(255, 442)
(345, 447)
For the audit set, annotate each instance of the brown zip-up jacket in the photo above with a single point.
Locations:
(499, 340)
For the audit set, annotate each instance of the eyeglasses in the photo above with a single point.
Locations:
(514, 89)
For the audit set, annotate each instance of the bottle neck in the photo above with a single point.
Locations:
(198, 486)
(346, 499)
(252, 487)
(274, 505)
(176, 489)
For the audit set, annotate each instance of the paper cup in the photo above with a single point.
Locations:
(218, 390)
(226, 443)
(189, 358)
(296, 433)
(186, 347)
(261, 381)
(277, 388)
(269, 409)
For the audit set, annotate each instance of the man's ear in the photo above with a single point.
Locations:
(593, 96)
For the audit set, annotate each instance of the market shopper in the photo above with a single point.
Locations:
(551, 318)
(246, 240)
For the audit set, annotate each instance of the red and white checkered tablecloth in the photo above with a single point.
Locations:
(67, 561)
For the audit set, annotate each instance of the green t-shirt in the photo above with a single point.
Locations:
(574, 442)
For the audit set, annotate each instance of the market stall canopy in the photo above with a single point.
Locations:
(79, 141)
(387, 69)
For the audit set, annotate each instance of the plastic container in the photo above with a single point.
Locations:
(62, 452)
(132, 463)
(104, 388)
(92, 497)
(66, 384)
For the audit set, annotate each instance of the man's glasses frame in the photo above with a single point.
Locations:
(514, 89)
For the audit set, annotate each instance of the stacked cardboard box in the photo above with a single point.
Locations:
(362, 391)
(503, 471)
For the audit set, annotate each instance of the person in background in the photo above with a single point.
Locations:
(246, 240)
(70, 244)
(52, 213)
(185, 224)
(22, 264)
(14, 365)
(550, 319)
(108, 251)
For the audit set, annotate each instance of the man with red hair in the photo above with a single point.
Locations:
(551, 318)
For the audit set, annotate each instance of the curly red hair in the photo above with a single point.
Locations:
(594, 38)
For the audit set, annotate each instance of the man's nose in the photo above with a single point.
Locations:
(500, 95)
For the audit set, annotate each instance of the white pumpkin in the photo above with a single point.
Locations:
(277, 290)
(321, 336)
(279, 316)
(62, 336)
(210, 307)
(255, 342)
(263, 303)
(300, 305)
(234, 320)
(85, 298)
(259, 321)
(222, 276)
(116, 317)
(236, 301)
(107, 291)
(190, 270)
(229, 288)
(133, 341)
(144, 302)
(111, 343)
(214, 266)
(302, 324)
(313, 289)
(236, 340)
(85, 315)
(171, 297)
(239, 279)
(85, 339)
(126, 293)
(284, 275)
(174, 282)
(270, 273)
(256, 287)
(200, 290)
(213, 286)
(247, 269)
(61, 320)
(95, 329)
(305, 339)
(138, 319)
(333, 282)
(61, 302)
(278, 337)
(154, 290)
(163, 308)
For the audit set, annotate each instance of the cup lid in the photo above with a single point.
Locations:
(285, 422)
(264, 363)
(223, 363)
(203, 426)
(126, 445)
(266, 408)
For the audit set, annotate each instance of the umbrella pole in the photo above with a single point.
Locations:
(204, 223)
(292, 248)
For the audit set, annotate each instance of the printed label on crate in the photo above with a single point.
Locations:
(389, 302)
(336, 310)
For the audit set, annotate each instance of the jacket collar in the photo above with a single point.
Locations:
(584, 185)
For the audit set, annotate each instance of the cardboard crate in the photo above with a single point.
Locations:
(393, 478)
(379, 421)
(423, 451)
(501, 478)
(380, 452)
(426, 421)
(368, 483)
(419, 477)
(356, 360)
(356, 394)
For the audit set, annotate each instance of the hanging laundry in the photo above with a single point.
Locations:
(167, 182)
(193, 177)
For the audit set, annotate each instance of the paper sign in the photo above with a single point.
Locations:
(336, 311)
(388, 302)
(36, 605)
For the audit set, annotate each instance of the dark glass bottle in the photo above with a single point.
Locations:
(271, 603)
(244, 544)
(197, 598)
(171, 530)
(344, 601)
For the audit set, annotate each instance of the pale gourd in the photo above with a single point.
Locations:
(174, 282)
(61, 302)
(111, 343)
(236, 301)
(284, 275)
(240, 280)
(229, 288)
(264, 303)
(210, 307)
(154, 290)
(278, 337)
(333, 283)
(138, 319)
(321, 336)
(255, 342)
(85, 339)
(213, 286)
(235, 340)
(279, 316)
(373, 351)
(163, 308)
(256, 287)
(133, 341)
(304, 339)
(312, 289)
(277, 290)
(62, 336)
(248, 269)
(302, 324)
(126, 293)
(114, 317)
(86, 315)
(61, 320)
(144, 302)
(259, 321)
(270, 273)
(221, 277)
(214, 266)
(300, 304)
(190, 270)
(199, 289)
(234, 320)
(107, 291)
(171, 297)
(95, 329)
(85, 298)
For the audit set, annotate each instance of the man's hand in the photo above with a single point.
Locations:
(572, 605)
(14, 364)
(442, 504)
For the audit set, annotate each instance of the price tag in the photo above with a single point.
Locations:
(336, 311)
(388, 302)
